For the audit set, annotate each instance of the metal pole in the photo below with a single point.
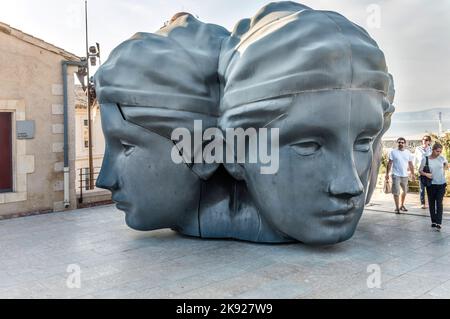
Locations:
(66, 138)
(91, 164)
(64, 66)
(80, 200)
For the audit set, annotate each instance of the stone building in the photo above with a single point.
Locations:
(81, 130)
(84, 195)
(32, 125)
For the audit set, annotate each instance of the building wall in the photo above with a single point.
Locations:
(31, 88)
(98, 145)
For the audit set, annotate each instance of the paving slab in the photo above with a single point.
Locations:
(37, 253)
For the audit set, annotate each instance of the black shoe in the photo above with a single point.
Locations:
(433, 225)
(438, 227)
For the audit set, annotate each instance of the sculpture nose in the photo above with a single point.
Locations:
(346, 183)
(107, 178)
(346, 190)
(105, 181)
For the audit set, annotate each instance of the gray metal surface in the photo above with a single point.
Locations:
(319, 79)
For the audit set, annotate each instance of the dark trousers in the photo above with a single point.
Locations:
(435, 197)
(422, 192)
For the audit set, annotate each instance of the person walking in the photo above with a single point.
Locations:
(400, 160)
(419, 154)
(437, 165)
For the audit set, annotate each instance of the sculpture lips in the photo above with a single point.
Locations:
(343, 211)
(339, 217)
(120, 204)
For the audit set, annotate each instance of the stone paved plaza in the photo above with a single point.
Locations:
(117, 262)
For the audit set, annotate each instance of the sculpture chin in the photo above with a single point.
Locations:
(332, 239)
(135, 224)
(130, 217)
(329, 230)
(142, 221)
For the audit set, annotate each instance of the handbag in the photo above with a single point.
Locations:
(423, 179)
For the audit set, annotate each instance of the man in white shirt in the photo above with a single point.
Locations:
(400, 160)
(420, 153)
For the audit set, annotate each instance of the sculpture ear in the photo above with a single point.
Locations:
(236, 170)
(203, 170)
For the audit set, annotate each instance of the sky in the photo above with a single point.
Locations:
(414, 34)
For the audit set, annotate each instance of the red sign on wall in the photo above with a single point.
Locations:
(6, 181)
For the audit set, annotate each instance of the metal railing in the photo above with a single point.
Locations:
(84, 182)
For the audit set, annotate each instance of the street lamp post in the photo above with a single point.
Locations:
(92, 53)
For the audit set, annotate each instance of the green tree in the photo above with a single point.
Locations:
(384, 161)
(444, 140)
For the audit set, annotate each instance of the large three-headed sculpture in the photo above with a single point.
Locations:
(314, 77)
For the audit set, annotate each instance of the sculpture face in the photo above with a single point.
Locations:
(317, 196)
(137, 168)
